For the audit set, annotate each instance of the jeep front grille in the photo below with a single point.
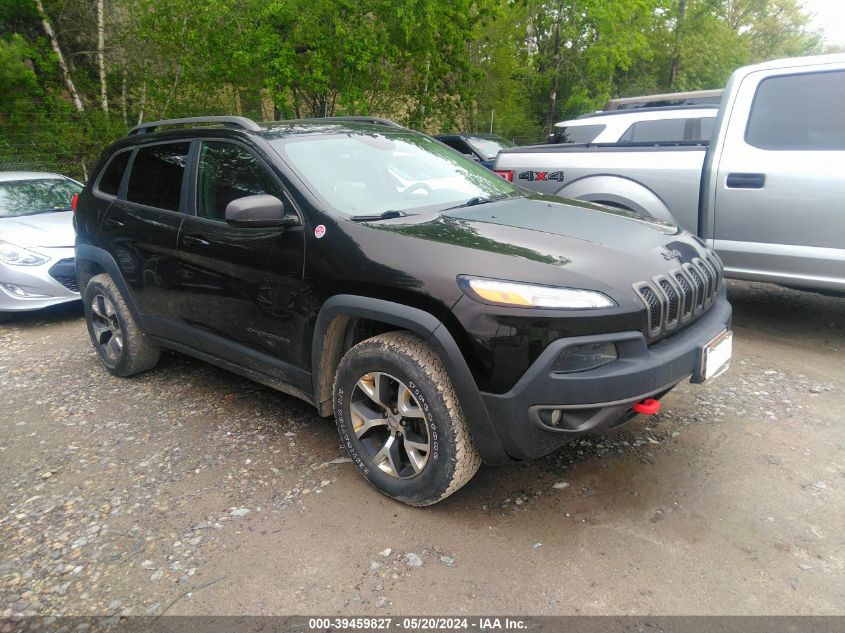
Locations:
(682, 295)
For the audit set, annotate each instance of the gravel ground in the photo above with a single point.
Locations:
(189, 490)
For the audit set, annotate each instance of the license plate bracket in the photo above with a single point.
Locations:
(716, 355)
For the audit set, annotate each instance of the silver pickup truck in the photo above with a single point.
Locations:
(767, 192)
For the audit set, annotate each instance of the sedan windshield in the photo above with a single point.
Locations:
(39, 195)
(370, 174)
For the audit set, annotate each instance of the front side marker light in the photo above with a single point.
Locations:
(529, 296)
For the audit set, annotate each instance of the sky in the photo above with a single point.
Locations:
(830, 18)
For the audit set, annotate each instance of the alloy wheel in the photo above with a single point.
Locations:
(108, 335)
(389, 423)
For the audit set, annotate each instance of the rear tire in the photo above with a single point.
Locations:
(121, 346)
(400, 420)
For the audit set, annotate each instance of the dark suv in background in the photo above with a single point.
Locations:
(439, 313)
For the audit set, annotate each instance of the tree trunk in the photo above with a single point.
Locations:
(676, 54)
(123, 97)
(142, 103)
(101, 58)
(54, 43)
(555, 69)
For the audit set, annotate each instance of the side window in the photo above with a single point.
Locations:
(660, 131)
(156, 176)
(113, 173)
(460, 146)
(799, 112)
(227, 172)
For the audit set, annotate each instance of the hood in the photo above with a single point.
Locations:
(545, 240)
(46, 230)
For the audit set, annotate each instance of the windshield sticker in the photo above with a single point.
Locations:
(320, 231)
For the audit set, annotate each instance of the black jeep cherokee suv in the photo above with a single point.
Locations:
(441, 314)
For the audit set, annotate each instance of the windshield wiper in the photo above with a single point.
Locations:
(387, 215)
(479, 200)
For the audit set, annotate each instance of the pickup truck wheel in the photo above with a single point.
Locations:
(400, 420)
(119, 342)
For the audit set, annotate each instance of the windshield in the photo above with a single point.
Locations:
(369, 174)
(40, 195)
(488, 147)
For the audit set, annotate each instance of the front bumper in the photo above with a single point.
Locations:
(590, 401)
(48, 284)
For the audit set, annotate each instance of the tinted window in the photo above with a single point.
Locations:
(228, 172)
(41, 195)
(110, 181)
(660, 131)
(577, 133)
(459, 145)
(156, 177)
(799, 112)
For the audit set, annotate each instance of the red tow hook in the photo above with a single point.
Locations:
(649, 406)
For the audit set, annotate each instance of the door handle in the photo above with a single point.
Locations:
(193, 240)
(113, 223)
(746, 181)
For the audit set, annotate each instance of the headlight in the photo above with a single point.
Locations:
(17, 256)
(525, 295)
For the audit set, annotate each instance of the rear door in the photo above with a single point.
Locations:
(140, 229)
(780, 184)
(245, 284)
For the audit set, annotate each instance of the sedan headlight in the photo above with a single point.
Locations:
(510, 293)
(17, 256)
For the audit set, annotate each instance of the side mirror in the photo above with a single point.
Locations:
(258, 211)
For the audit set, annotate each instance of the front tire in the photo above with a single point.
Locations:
(400, 420)
(121, 346)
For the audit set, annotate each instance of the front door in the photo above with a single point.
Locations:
(780, 190)
(245, 284)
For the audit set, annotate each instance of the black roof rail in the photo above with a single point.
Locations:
(360, 119)
(237, 122)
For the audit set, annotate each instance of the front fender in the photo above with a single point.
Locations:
(430, 329)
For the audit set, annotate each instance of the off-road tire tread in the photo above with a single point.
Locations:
(143, 355)
(416, 350)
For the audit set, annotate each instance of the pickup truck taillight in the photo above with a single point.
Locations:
(507, 174)
(73, 202)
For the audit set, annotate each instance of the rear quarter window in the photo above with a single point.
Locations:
(799, 112)
(156, 176)
(109, 182)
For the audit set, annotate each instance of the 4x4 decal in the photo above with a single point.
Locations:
(533, 176)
